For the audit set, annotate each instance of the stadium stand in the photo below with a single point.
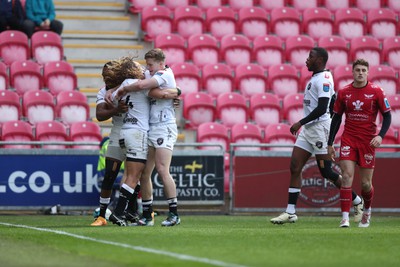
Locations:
(14, 46)
(235, 49)
(220, 21)
(365, 6)
(279, 133)
(59, 76)
(136, 6)
(4, 82)
(236, 5)
(349, 23)
(173, 46)
(268, 50)
(366, 47)
(213, 132)
(156, 20)
(17, 131)
(342, 75)
(231, 109)
(252, 22)
(317, 22)
(46, 46)
(262, 104)
(390, 139)
(393, 5)
(269, 5)
(10, 106)
(217, 79)
(382, 23)
(391, 51)
(188, 20)
(334, 5)
(293, 107)
(25, 76)
(203, 49)
(85, 131)
(51, 131)
(385, 77)
(338, 49)
(246, 134)
(394, 101)
(38, 106)
(206, 4)
(298, 48)
(285, 22)
(187, 76)
(283, 79)
(250, 79)
(302, 5)
(72, 106)
(175, 4)
(198, 108)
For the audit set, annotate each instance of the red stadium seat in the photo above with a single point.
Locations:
(17, 131)
(203, 49)
(213, 132)
(338, 49)
(187, 77)
(217, 79)
(268, 50)
(349, 23)
(317, 22)
(382, 23)
(236, 5)
(156, 20)
(302, 5)
(342, 76)
(246, 134)
(14, 46)
(334, 5)
(390, 139)
(305, 76)
(250, 79)
(253, 22)
(285, 22)
(391, 51)
(298, 49)
(220, 21)
(394, 101)
(188, 20)
(385, 77)
(85, 131)
(72, 107)
(46, 46)
(59, 76)
(136, 6)
(10, 106)
(26, 76)
(235, 49)
(38, 106)
(394, 5)
(51, 131)
(365, 6)
(231, 109)
(4, 81)
(366, 47)
(206, 4)
(198, 108)
(268, 5)
(279, 134)
(293, 107)
(175, 4)
(262, 104)
(173, 46)
(283, 79)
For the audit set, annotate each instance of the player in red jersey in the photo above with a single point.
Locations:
(360, 101)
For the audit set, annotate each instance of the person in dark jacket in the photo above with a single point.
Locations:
(12, 15)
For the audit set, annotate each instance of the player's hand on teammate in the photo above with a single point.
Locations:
(122, 107)
(376, 141)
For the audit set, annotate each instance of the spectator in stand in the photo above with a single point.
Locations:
(11, 15)
(41, 14)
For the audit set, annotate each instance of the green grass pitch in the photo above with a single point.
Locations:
(27, 240)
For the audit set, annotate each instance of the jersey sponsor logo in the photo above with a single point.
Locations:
(131, 120)
(306, 102)
(357, 105)
(368, 158)
(348, 96)
(369, 96)
(387, 105)
(326, 87)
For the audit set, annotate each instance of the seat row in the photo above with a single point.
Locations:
(316, 22)
(268, 50)
(43, 47)
(280, 79)
(50, 135)
(39, 105)
(136, 6)
(27, 75)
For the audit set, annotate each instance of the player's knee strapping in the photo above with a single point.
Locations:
(112, 170)
(325, 168)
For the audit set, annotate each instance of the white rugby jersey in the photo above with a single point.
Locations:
(116, 119)
(320, 85)
(162, 110)
(139, 109)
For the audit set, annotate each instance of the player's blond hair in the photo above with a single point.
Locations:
(119, 70)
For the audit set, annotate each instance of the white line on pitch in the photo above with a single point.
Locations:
(138, 248)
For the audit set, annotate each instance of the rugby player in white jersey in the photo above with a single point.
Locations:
(162, 137)
(318, 98)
